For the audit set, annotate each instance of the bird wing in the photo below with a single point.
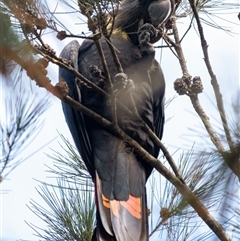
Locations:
(118, 172)
(120, 175)
(74, 118)
(158, 86)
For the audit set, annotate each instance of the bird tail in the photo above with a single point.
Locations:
(120, 220)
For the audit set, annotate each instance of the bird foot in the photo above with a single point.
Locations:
(122, 83)
(147, 35)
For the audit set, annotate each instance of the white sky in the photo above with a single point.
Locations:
(224, 55)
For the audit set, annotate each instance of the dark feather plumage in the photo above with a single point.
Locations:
(118, 172)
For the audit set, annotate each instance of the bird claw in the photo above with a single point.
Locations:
(121, 85)
(147, 35)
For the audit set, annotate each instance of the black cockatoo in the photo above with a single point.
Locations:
(118, 172)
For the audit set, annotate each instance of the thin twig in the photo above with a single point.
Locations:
(168, 40)
(158, 226)
(158, 142)
(60, 62)
(205, 119)
(214, 81)
(178, 48)
(183, 189)
(233, 165)
(114, 55)
(108, 80)
(107, 76)
(193, 97)
(189, 27)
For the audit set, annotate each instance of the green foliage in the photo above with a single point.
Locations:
(8, 39)
(69, 164)
(70, 214)
(20, 123)
(70, 211)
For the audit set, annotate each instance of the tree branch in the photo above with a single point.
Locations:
(218, 96)
(193, 97)
(182, 188)
(205, 119)
(62, 63)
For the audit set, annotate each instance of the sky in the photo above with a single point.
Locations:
(224, 55)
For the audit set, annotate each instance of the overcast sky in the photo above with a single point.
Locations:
(224, 55)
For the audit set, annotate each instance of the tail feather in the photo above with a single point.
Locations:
(103, 206)
(131, 223)
(120, 220)
(133, 205)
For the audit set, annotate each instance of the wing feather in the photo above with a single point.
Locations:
(119, 174)
(75, 119)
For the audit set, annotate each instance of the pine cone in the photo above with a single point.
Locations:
(41, 23)
(95, 71)
(61, 35)
(187, 79)
(197, 86)
(180, 86)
